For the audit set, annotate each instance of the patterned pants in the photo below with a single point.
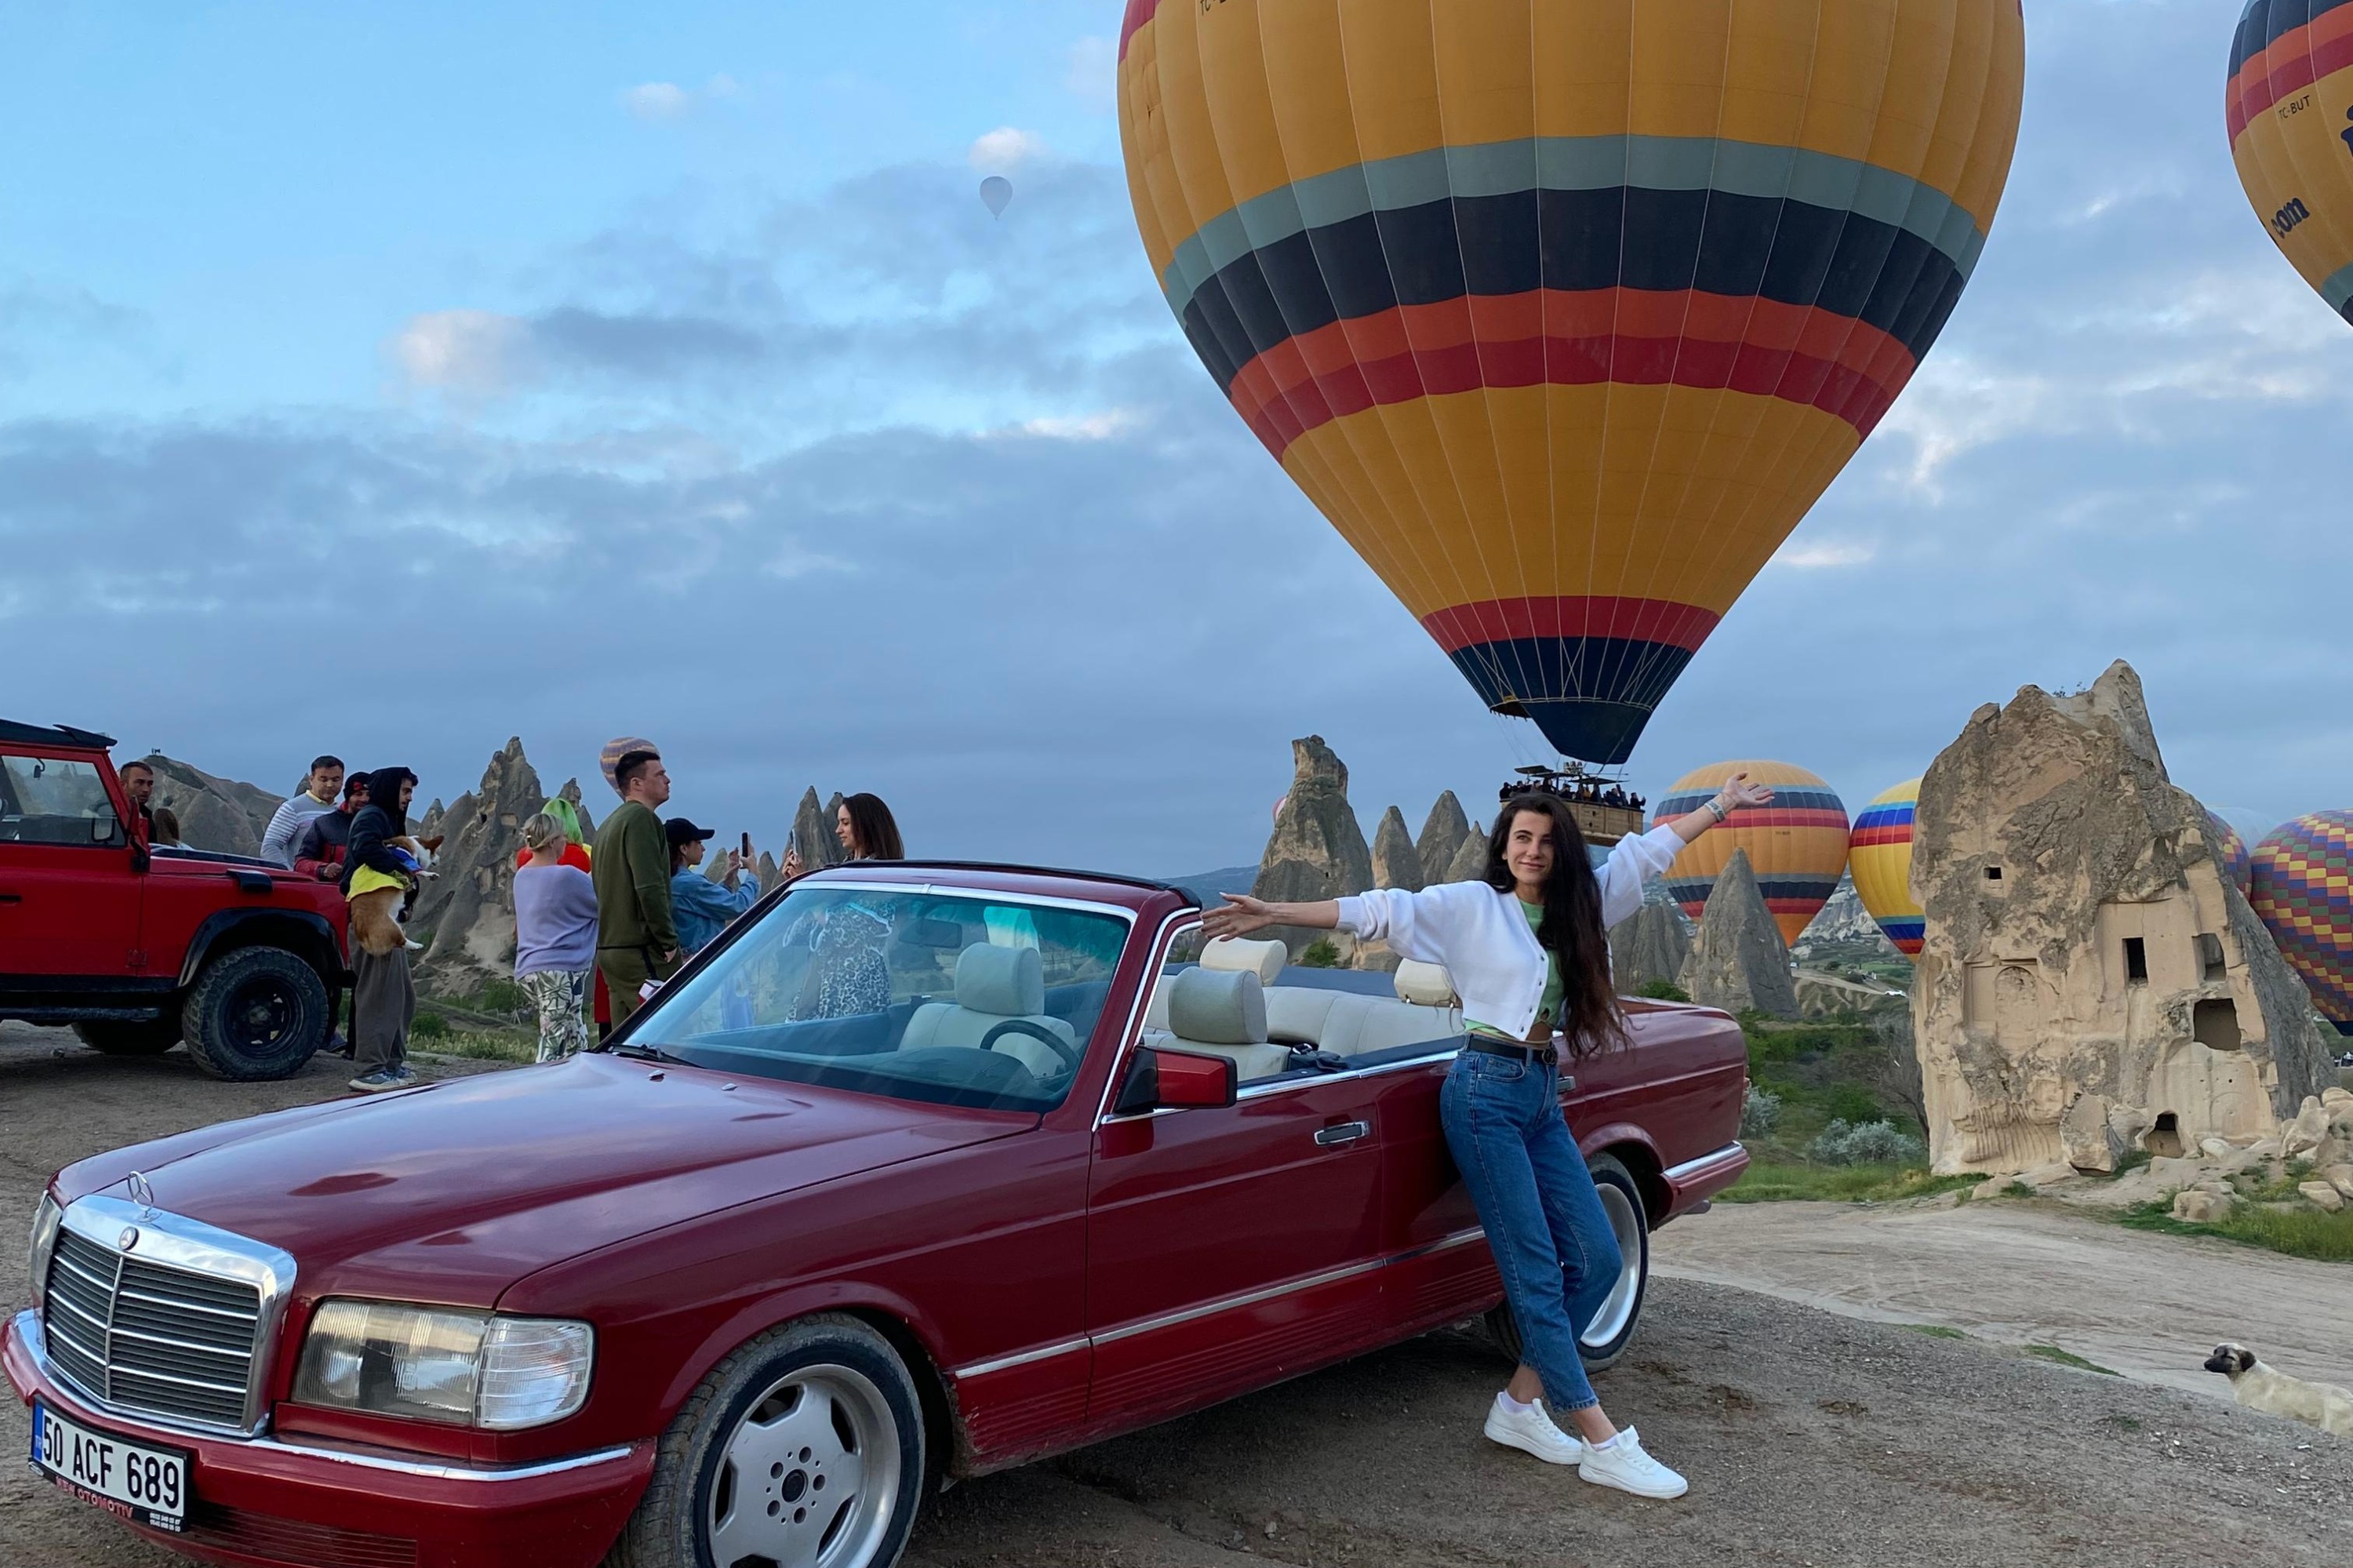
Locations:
(558, 995)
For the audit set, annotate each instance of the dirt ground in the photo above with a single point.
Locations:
(1811, 1438)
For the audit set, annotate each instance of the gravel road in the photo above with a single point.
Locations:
(1811, 1438)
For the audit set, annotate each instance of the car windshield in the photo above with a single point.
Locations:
(953, 999)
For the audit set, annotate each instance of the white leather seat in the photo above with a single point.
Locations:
(1348, 1023)
(1222, 1012)
(1265, 958)
(992, 985)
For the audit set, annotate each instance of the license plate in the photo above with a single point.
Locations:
(145, 1485)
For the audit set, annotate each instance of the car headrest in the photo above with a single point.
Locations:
(1264, 959)
(1007, 982)
(1218, 1007)
(1424, 985)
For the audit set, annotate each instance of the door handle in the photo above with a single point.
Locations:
(1341, 1132)
(12, 898)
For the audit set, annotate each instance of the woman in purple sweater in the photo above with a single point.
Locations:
(555, 936)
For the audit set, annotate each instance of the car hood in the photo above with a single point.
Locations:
(452, 1192)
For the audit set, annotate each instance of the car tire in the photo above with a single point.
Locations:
(126, 1037)
(256, 1013)
(743, 1474)
(1612, 1330)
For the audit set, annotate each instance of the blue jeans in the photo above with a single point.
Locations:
(1553, 1243)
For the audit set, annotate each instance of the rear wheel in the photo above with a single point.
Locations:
(121, 1037)
(803, 1449)
(1605, 1339)
(256, 1013)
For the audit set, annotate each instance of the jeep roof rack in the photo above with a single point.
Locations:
(16, 733)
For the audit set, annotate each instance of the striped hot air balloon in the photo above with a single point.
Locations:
(2304, 893)
(2231, 852)
(1797, 845)
(1564, 311)
(2288, 105)
(608, 761)
(1879, 853)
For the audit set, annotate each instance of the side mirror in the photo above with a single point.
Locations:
(1175, 1080)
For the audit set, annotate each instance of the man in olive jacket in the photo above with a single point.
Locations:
(636, 940)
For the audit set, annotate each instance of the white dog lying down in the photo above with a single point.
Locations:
(2267, 1388)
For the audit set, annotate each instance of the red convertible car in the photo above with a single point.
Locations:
(919, 1171)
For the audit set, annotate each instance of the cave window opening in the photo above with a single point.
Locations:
(2165, 1138)
(2136, 961)
(1993, 874)
(2215, 1025)
(2210, 957)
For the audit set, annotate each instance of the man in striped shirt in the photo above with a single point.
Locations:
(316, 798)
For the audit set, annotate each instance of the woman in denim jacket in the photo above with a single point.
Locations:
(1527, 948)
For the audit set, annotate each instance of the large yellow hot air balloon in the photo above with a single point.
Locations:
(1564, 311)
(1796, 844)
(2289, 108)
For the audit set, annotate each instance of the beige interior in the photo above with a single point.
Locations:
(1214, 1015)
(992, 984)
(1264, 959)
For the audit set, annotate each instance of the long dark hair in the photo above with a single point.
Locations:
(876, 830)
(1571, 929)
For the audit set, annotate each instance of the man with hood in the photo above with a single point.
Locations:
(376, 873)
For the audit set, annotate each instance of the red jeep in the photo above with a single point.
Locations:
(144, 948)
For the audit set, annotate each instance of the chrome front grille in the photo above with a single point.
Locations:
(164, 1326)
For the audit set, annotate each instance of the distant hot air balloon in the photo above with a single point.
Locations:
(2303, 892)
(2231, 851)
(996, 195)
(1879, 853)
(2288, 105)
(1564, 312)
(609, 760)
(1797, 845)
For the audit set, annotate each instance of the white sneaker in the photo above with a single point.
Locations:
(1532, 1431)
(1623, 1464)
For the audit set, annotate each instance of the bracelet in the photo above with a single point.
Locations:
(1715, 807)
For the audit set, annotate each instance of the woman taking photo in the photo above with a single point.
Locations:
(864, 828)
(1528, 948)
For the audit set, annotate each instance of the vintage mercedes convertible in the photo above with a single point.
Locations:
(921, 1171)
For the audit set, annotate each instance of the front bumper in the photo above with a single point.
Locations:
(263, 1503)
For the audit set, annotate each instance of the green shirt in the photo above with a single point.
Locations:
(631, 868)
(1554, 991)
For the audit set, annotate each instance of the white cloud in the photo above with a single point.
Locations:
(1004, 149)
(1096, 426)
(472, 352)
(657, 100)
(1094, 74)
(1828, 553)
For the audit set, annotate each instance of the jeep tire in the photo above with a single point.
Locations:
(805, 1445)
(131, 1037)
(256, 1013)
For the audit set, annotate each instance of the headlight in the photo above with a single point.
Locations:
(437, 1363)
(46, 1221)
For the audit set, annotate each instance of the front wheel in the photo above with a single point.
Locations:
(256, 1013)
(805, 1448)
(1605, 1339)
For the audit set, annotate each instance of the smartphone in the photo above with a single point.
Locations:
(747, 848)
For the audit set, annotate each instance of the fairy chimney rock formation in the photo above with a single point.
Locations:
(1395, 862)
(1469, 862)
(2089, 976)
(468, 905)
(813, 831)
(1739, 960)
(1442, 833)
(1317, 850)
(225, 816)
(1653, 945)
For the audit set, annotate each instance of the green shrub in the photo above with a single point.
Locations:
(1758, 1111)
(1661, 991)
(429, 1026)
(1865, 1143)
(504, 996)
(1320, 954)
(2299, 1233)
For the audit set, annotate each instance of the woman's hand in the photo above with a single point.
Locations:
(1240, 917)
(1738, 791)
(792, 866)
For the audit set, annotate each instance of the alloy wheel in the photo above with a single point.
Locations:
(809, 1477)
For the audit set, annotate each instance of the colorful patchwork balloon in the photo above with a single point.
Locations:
(1564, 312)
(1797, 844)
(1879, 855)
(2303, 892)
(609, 761)
(2231, 852)
(2288, 106)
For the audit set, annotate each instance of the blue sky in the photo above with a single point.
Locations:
(394, 381)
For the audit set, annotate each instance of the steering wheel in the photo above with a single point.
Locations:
(1063, 1048)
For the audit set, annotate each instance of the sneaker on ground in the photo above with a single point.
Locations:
(1531, 1432)
(380, 1080)
(1624, 1465)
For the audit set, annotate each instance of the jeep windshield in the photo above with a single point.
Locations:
(949, 997)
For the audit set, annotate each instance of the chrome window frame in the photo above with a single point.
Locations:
(174, 1241)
